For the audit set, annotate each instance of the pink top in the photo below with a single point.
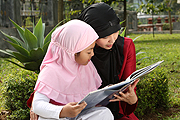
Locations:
(61, 78)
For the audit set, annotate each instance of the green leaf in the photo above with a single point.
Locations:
(123, 33)
(20, 31)
(15, 40)
(33, 65)
(48, 36)
(141, 59)
(19, 49)
(21, 57)
(136, 37)
(122, 22)
(37, 54)
(20, 42)
(7, 53)
(139, 50)
(45, 47)
(31, 39)
(10, 38)
(140, 53)
(39, 32)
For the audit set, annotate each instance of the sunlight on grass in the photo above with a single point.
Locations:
(175, 116)
(163, 47)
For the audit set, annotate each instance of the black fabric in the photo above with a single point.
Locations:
(108, 64)
(102, 18)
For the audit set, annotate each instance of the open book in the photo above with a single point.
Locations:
(102, 96)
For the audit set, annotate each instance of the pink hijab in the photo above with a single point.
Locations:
(61, 78)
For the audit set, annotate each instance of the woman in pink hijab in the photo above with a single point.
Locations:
(67, 75)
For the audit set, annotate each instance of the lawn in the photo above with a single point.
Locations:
(163, 47)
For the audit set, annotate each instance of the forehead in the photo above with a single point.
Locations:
(90, 47)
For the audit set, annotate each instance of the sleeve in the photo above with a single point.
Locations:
(129, 66)
(43, 108)
(29, 101)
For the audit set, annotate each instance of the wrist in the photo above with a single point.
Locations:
(62, 113)
(133, 101)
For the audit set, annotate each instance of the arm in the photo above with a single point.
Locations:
(129, 66)
(42, 107)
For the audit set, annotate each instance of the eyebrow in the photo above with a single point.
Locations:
(91, 48)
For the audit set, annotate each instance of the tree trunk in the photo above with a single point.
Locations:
(60, 10)
(124, 25)
(170, 22)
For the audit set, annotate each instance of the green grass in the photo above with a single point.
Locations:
(163, 47)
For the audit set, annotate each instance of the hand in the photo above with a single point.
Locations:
(130, 96)
(72, 109)
(33, 116)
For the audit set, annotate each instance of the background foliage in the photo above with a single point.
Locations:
(16, 86)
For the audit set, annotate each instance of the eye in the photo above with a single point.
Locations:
(89, 52)
(105, 37)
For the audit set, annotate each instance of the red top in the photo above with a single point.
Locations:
(128, 67)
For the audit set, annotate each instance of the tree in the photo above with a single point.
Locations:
(168, 3)
(150, 8)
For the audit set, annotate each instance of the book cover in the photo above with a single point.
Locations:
(102, 96)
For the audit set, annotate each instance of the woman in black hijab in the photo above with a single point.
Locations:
(114, 57)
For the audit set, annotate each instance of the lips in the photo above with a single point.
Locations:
(109, 45)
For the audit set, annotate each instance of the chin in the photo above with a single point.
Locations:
(108, 48)
(85, 63)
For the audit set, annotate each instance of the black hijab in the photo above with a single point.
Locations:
(108, 63)
(102, 18)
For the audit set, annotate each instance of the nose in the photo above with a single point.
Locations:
(92, 53)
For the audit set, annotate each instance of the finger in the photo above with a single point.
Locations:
(83, 104)
(33, 116)
(122, 94)
(117, 98)
(114, 100)
(36, 117)
(73, 103)
(130, 88)
(135, 83)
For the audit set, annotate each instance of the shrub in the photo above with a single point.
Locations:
(16, 90)
(166, 26)
(152, 92)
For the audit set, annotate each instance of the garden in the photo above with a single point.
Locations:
(158, 92)
(160, 47)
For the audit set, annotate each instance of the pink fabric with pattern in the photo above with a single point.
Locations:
(61, 78)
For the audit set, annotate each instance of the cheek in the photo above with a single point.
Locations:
(116, 35)
(101, 42)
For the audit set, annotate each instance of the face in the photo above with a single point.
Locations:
(107, 42)
(84, 56)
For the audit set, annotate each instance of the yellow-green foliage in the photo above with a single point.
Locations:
(17, 85)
